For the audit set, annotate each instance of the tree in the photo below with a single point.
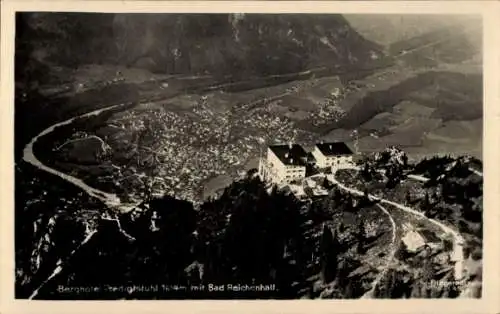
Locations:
(336, 195)
(425, 205)
(341, 227)
(328, 251)
(348, 204)
(451, 291)
(386, 286)
(251, 172)
(427, 270)
(251, 244)
(361, 237)
(402, 252)
(326, 184)
(393, 176)
(350, 289)
(365, 200)
(366, 172)
(405, 160)
(408, 197)
(168, 246)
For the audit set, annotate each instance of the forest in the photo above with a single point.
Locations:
(251, 234)
(248, 235)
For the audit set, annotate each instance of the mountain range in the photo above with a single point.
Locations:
(217, 44)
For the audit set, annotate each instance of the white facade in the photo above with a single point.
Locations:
(274, 170)
(413, 241)
(338, 161)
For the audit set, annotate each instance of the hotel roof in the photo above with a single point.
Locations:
(334, 149)
(429, 236)
(310, 157)
(291, 155)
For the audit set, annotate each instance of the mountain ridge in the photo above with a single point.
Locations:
(218, 44)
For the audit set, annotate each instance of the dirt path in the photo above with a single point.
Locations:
(477, 172)
(459, 241)
(418, 177)
(390, 257)
(104, 146)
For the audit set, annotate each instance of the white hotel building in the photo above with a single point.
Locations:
(283, 164)
(336, 155)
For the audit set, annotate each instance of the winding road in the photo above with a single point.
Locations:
(457, 255)
(477, 172)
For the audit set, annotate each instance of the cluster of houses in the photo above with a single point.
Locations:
(286, 164)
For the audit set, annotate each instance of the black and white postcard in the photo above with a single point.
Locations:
(234, 154)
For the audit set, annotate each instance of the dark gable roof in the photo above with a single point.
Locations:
(295, 155)
(429, 236)
(334, 149)
(310, 157)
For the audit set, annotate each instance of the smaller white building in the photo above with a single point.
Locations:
(413, 241)
(335, 154)
(416, 238)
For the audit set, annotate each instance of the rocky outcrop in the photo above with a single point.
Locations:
(53, 240)
(392, 156)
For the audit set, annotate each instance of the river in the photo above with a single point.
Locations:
(111, 200)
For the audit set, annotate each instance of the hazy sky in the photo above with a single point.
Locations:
(386, 28)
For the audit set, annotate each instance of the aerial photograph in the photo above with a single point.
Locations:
(182, 156)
